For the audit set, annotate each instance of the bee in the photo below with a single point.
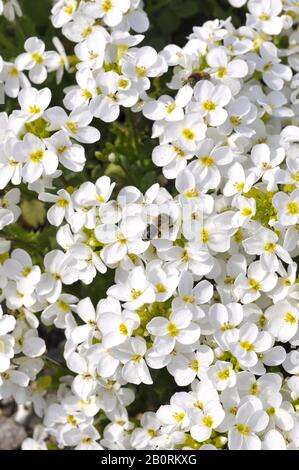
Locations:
(197, 77)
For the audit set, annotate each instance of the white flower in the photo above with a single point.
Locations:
(112, 10)
(237, 3)
(185, 367)
(14, 79)
(19, 268)
(134, 290)
(36, 159)
(11, 9)
(168, 108)
(264, 16)
(222, 375)
(34, 60)
(76, 125)
(178, 328)
(131, 354)
(283, 320)
(33, 103)
(238, 181)
(241, 113)
(206, 420)
(7, 324)
(28, 342)
(210, 102)
(268, 63)
(225, 319)
(9, 210)
(190, 297)
(84, 383)
(144, 63)
(63, 11)
(58, 270)
(122, 240)
(11, 168)
(258, 280)
(187, 132)
(70, 155)
(56, 313)
(62, 208)
(250, 342)
(287, 207)
(264, 243)
(250, 420)
(91, 51)
(175, 416)
(222, 68)
(117, 327)
(87, 313)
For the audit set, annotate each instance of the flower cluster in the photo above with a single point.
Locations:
(205, 284)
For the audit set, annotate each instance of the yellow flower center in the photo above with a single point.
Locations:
(26, 271)
(295, 176)
(123, 83)
(254, 284)
(246, 211)
(188, 134)
(136, 358)
(243, 429)
(264, 17)
(62, 203)
(170, 107)
(194, 365)
(222, 71)
(72, 127)
(189, 299)
(161, 289)
(34, 109)
(270, 247)
(271, 411)
(235, 120)
(290, 318)
(205, 235)
(72, 420)
(172, 330)
(37, 58)
(192, 193)
(227, 326)
(123, 329)
(13, 72)
(69, 9)
(107, 5)
(135, 293)
(87, 94)
(36, 157)
(224, 374)
(293, 208)
(179, 417)
(247, 346)
(140, 71)
(239, 186)
(87, 31)
(209, 105)
(208, 421)
(63, 306)
(207, 161)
